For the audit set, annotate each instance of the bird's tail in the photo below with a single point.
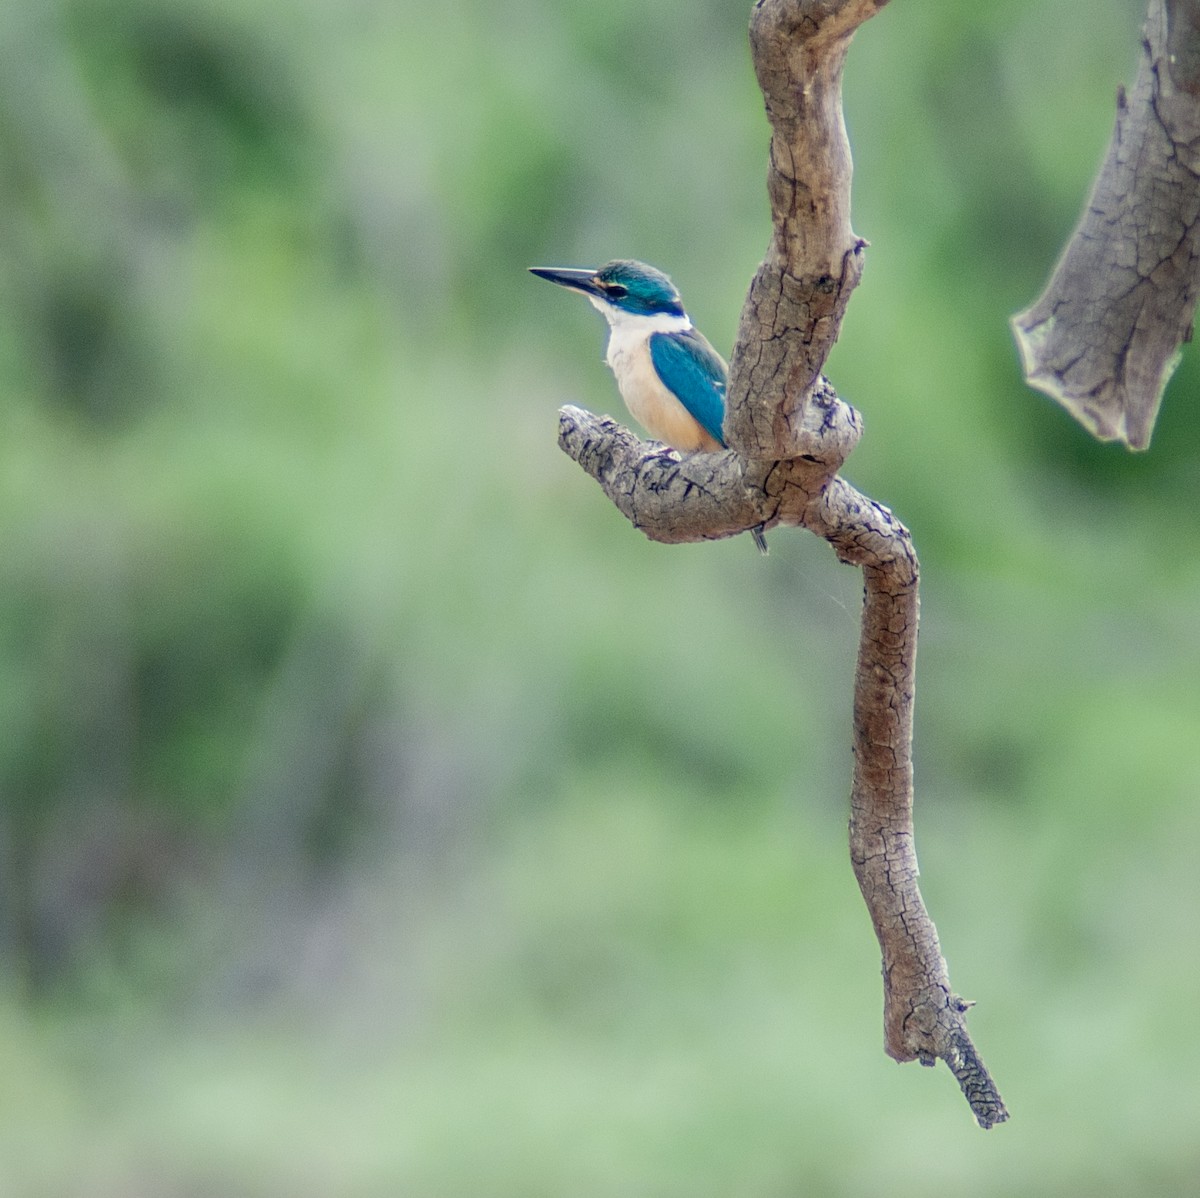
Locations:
(757, 533)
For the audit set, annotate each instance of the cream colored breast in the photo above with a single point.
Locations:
(648, 401)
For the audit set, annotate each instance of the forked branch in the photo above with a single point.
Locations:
(789, 435)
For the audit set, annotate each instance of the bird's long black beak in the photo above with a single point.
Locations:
(568, 276)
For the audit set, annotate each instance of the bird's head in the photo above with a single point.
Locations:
(622, 285)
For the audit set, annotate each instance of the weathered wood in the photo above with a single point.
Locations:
(789, 435)
(1104, 338)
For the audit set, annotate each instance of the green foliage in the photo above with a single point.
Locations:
(380, 814)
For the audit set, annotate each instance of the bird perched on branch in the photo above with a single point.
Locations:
(671, 379)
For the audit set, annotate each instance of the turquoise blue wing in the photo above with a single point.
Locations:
(694, 373)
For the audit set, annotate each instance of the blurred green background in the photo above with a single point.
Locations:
(380, 814)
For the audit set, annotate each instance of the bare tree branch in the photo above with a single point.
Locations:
(789, 434)
(1104, 337)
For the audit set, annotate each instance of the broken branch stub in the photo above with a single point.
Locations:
(1104, 338)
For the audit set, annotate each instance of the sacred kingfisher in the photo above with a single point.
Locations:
(671, 379)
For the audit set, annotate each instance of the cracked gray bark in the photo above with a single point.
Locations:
(1104, 337)
(789, 434)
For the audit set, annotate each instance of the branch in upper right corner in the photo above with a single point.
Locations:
(1104, 337)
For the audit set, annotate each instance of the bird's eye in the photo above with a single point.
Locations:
(616, 290)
